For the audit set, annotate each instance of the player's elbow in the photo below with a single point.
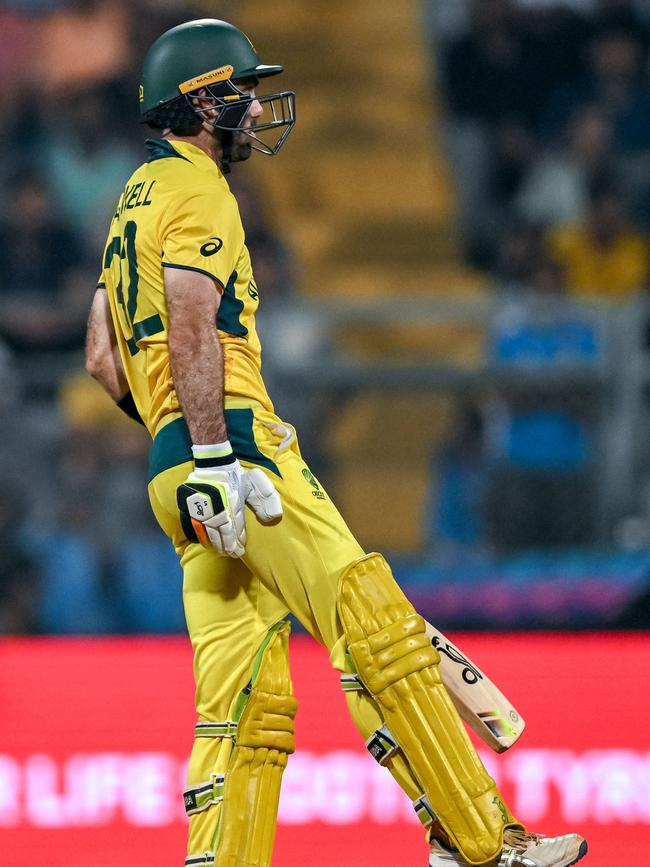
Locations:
(97, 356)
(97, 365)
(93, 364)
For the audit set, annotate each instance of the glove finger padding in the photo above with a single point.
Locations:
(227, 533)
(261, 495)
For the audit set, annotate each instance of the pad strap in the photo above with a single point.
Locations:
(200, 860)
(206, 729)
(351, 683)
(381, 745)
(201, 796)
(424, 811)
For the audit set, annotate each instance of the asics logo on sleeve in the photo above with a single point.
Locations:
(212, 246)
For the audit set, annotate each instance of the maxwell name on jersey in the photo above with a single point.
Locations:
(134, 196)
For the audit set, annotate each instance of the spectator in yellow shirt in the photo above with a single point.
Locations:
(605, 257)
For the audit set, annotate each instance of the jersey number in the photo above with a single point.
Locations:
(125, 248)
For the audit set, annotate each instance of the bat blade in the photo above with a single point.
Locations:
(478, 701)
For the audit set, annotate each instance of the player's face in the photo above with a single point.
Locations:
(241, 145)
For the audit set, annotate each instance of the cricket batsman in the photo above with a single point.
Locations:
(172, 339)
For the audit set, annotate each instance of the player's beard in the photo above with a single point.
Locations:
(241, 148)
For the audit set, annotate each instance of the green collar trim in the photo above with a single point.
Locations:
(161, 149)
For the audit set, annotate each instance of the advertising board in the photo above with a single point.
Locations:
(95, 734)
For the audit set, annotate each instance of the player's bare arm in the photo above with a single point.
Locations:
(103, 361)
(195, 353)
(213, 497)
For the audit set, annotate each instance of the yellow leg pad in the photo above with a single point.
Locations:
(252, 782)
(399, 667)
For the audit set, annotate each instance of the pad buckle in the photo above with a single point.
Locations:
(200, 860)
(351, 683)
(424, 811)
(201, 796)
(207, 729)
(382, 745)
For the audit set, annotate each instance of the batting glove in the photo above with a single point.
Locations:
(212, 499)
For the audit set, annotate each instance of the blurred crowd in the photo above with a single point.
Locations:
(548, 123)
(546, 118)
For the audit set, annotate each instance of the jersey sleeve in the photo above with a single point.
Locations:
(201, 234)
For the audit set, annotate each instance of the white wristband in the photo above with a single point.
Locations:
(215, 455)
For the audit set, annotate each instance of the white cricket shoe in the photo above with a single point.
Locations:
(520, 849)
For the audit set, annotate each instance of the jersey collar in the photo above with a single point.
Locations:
(163, 149)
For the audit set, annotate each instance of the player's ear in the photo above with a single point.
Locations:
(205, 102)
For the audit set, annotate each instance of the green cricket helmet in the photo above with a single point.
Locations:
(211, 56)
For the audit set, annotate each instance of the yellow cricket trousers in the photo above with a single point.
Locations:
(231, 604)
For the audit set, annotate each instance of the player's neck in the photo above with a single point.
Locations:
(204, 140)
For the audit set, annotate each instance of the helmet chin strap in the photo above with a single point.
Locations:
(226, 151)
(224, 139)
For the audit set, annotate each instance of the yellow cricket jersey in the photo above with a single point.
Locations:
(177, 211)
(612, 273)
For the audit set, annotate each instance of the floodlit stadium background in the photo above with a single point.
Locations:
(453, 256)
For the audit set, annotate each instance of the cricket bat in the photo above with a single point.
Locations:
(479, 703)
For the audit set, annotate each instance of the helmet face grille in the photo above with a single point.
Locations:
(283, 111)
(232, 111)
